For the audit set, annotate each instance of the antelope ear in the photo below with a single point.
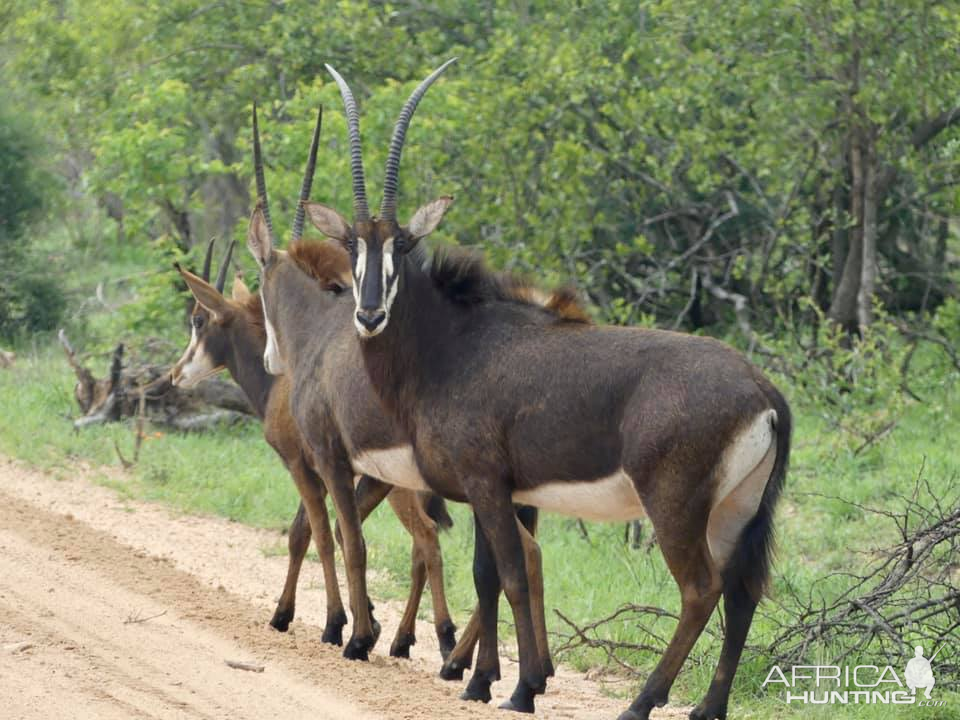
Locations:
(428, 217)
(239, 292)
(329, 221)
(205, 294)
(258, 238)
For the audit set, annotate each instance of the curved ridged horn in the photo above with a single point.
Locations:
(206, 260)
(222, 275)
(361, 212)
(307, 180)
(388, 208)
(258, 171)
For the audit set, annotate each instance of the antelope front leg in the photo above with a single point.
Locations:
(486, 580)
(298, 541)
(340, 485)
(495, 515)
(531, 551)
(426, 562)
(313, 497)
(461, 657)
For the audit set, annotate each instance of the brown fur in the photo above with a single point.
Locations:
(253, 310)
(325, 262)
(236, 341)
(461, 275)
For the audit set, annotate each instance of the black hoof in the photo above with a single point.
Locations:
(452, 671)
(706, 712)
(478, 689)
(522, 698)
(332, 634)
(401, 646)
(548, 670)
(510, 705)
(447, 635)
(631, 715)
(376, 631)
(281, 619)
(358, 649)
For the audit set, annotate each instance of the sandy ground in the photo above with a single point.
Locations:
(111, 608)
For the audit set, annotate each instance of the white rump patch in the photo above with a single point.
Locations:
(612, 498)
(743, 474)
(395, 466)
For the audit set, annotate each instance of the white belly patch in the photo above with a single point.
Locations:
(612, 498)
(395, 466)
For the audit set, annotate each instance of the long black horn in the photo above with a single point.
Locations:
(206, 260)
(361, 212)
(258, 171)
(307, 179)
(388, 208)
(222, 275)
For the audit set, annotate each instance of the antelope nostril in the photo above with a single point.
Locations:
(370, 319)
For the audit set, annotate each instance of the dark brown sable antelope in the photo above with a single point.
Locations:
(604, 423)
(229, 333)
(310, 337)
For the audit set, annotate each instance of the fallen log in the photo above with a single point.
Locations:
(118, 395)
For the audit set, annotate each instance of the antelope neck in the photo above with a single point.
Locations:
(398, 359)
(245, 364)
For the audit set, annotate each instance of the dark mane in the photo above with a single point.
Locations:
(325, 262)
(463, 278)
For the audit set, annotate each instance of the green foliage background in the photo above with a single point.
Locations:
(696, 165)
(646, 151)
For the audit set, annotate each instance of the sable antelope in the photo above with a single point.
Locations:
(604, 423)
(229, 333)
(310, 338)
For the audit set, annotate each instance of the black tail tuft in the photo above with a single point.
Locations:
(749, 565)
(437, 510)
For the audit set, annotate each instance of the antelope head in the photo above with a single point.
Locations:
(377, 245)
(276, 265)
(212, 312)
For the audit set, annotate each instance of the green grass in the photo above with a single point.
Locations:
(233, 473)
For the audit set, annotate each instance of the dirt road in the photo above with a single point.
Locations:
(111, 608)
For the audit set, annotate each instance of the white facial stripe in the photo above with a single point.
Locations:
(390, 281)
(272, 361)
(387, 260)
(198, 365)
(360, 270)
(389, 284)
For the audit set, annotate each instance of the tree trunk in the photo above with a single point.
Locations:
(843, 310)
(868, 266)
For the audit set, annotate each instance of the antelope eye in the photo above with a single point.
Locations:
(399, 244)
(198, 321)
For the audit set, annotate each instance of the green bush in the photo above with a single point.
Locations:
(30, 303)
(30, 298)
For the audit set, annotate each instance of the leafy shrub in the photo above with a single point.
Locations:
(30, 300)
(30, 303)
